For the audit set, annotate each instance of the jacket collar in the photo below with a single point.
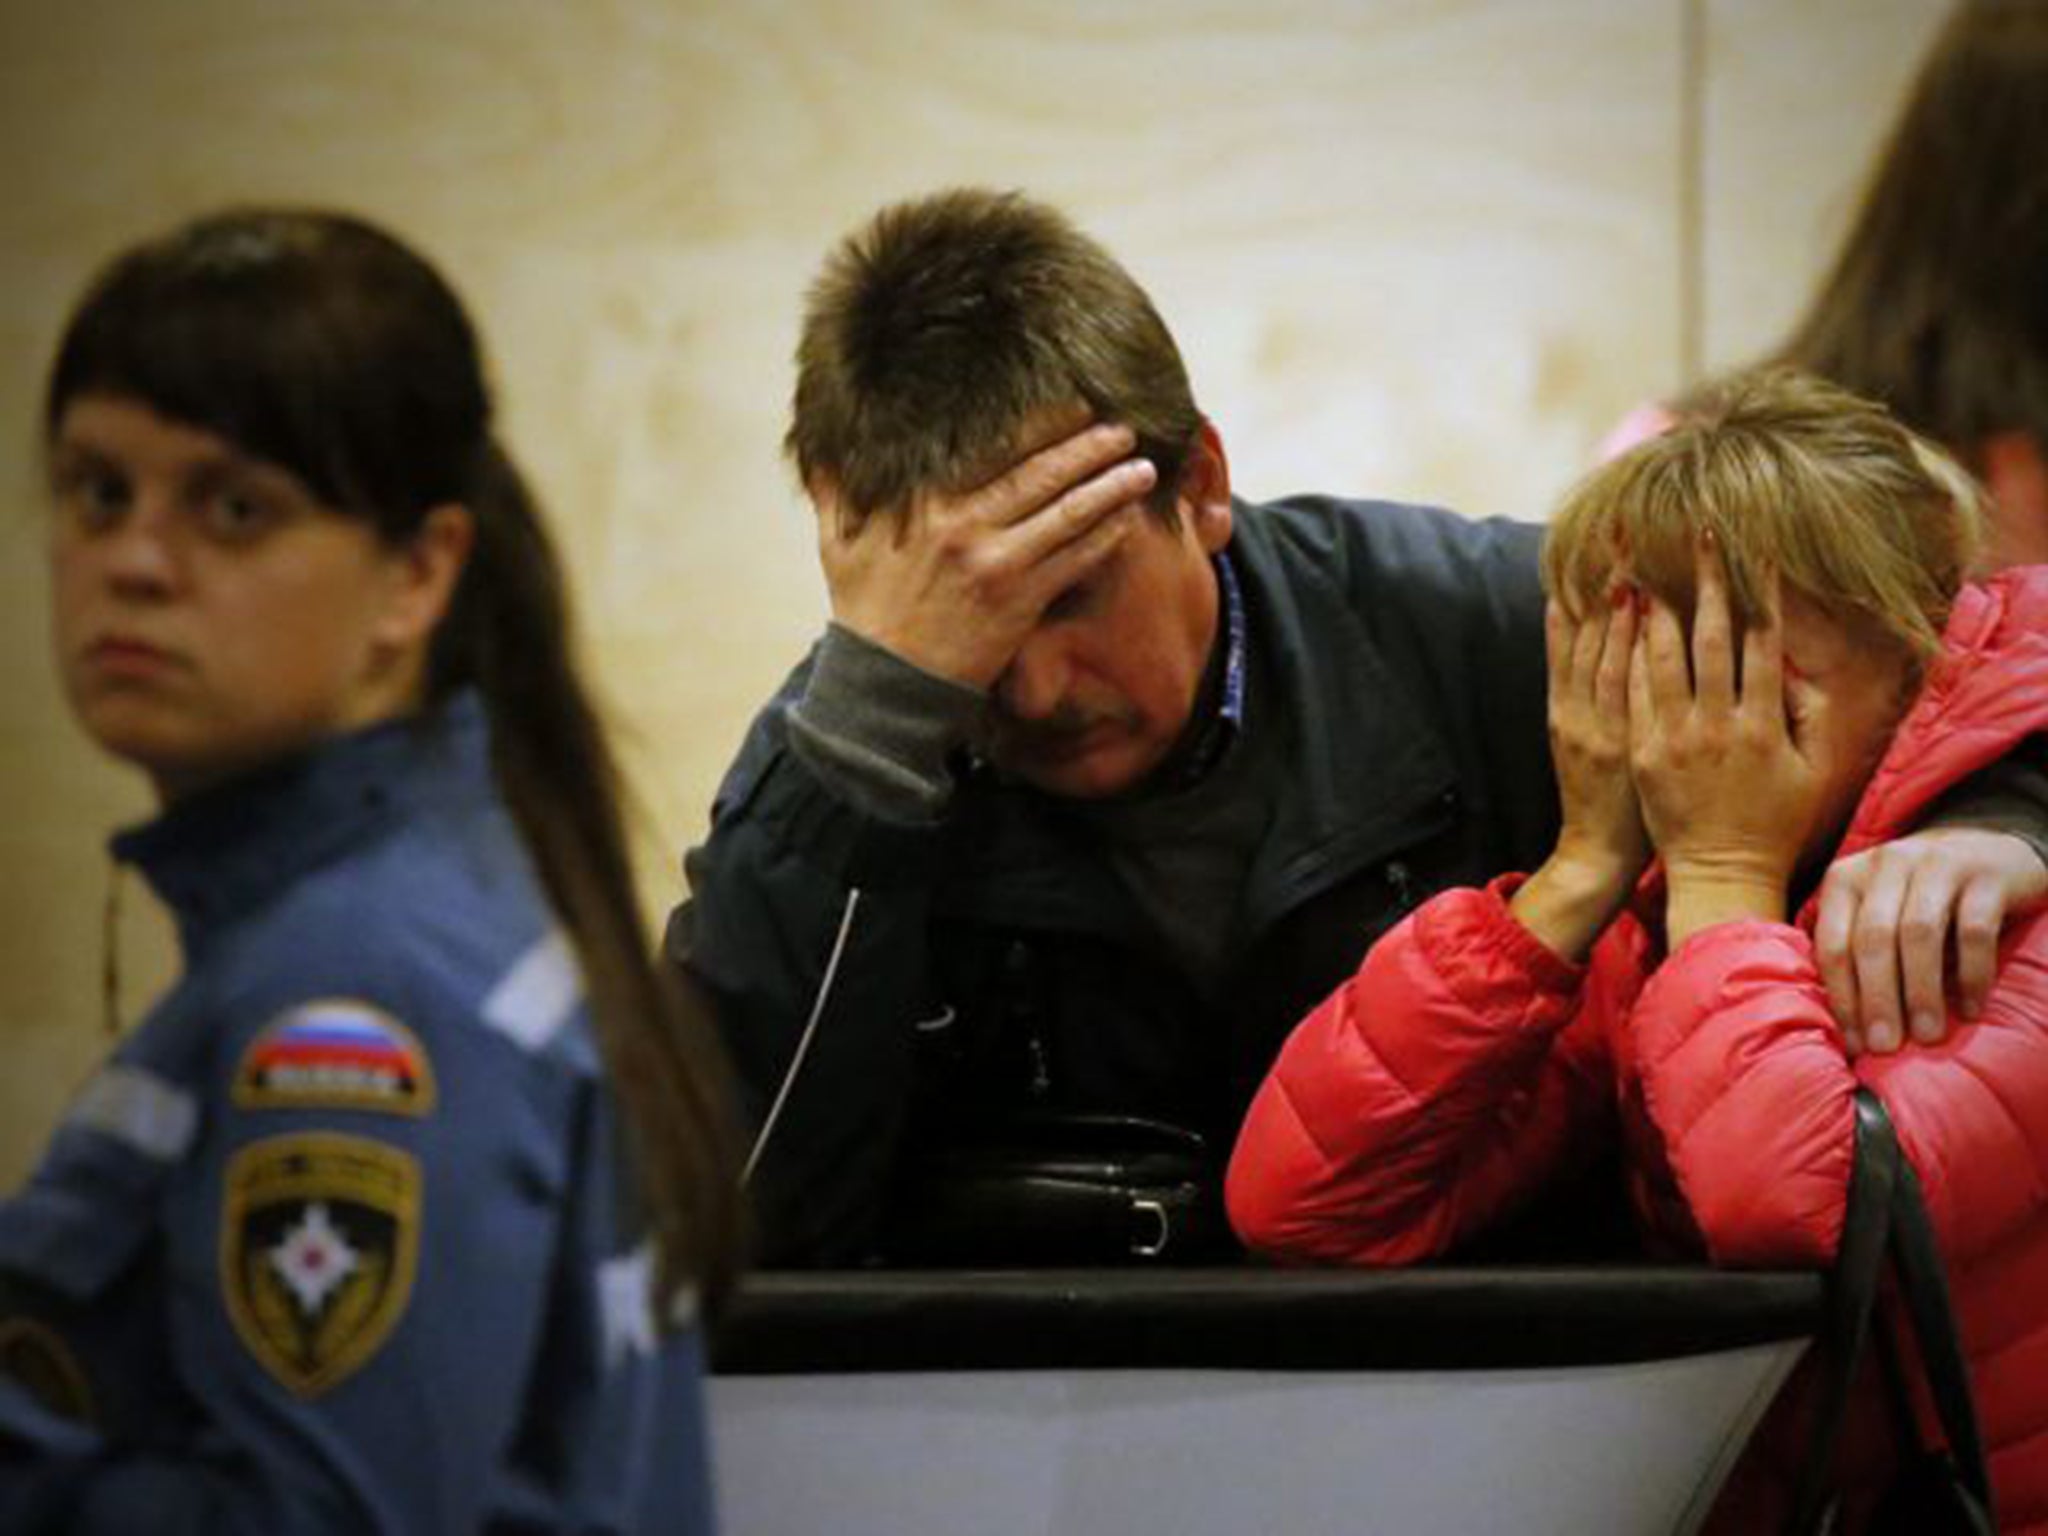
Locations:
(233, 846)
(1219, 705)
(1984, 694)
(1366, 769)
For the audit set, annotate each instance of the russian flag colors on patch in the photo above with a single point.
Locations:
(335, 1053)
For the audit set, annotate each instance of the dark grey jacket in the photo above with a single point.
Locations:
(995, 963)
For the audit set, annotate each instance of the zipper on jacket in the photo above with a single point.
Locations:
(1041, 1072)
(1027, 1016)
(1331, 865)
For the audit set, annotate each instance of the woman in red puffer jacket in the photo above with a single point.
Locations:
(1763, 655)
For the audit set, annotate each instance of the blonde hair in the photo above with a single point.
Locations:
(1867, 521)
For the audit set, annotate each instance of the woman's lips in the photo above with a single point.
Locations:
(127, 656)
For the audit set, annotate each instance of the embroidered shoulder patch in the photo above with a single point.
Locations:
(319, 1242)
(35, 1355)
(336, 1053)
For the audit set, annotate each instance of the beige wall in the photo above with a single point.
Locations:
(1424, 248)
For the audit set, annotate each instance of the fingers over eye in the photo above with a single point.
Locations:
(1713, 650)
(1665, 671)
(1611, 686)
(1589, 635)
(1763, 658)
(1557, 632)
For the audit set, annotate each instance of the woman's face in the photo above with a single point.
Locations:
(1846, 694)
(210, 613)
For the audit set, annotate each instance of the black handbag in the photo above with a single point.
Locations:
(1060, 1190)
(1938, 1490)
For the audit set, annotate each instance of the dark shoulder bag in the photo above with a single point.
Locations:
(1061, 1189)
(1938, 1490)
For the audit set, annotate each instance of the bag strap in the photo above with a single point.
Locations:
(1923, 1284)
(1852, 1295)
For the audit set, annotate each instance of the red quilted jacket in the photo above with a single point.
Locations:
(1465, 1066)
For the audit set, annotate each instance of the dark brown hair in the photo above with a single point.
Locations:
(935, 333)
(1937, 304)
(321, 343)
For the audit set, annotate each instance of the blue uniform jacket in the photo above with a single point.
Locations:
(334, 1241)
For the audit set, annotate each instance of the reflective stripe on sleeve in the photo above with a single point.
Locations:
(140, 1110)
(539, 995)
(625, 1298)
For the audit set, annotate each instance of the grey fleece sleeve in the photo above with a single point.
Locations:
(2009, 796)
(881, 730)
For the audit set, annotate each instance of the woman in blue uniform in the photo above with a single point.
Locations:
(343, 1237)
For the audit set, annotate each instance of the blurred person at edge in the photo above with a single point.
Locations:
(1100, 776)
(1937, 306)
(1937, 303)
(1763, 654)
(395, 1214)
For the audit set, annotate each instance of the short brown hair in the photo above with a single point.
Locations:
(1866, 520)
(936, 332)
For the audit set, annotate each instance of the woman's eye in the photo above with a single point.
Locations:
(91, 497)
(236, 514)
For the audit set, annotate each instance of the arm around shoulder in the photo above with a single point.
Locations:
(1747, 1078)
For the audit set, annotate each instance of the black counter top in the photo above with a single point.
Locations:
(1425, 1319)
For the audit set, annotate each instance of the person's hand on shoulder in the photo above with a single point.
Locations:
(1887, 919)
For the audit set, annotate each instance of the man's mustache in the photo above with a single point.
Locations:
(1062, 727)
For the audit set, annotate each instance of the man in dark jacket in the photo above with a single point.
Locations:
(1099, 778)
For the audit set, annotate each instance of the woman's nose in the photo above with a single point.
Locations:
(138, 553)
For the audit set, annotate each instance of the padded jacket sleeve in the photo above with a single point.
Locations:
(1453, 1076)
(1746, 1080)
(808, 923)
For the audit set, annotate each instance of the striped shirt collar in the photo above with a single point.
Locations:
(1211, 736)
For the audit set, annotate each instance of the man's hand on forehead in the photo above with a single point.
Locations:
(1050, 427)
(955, 583)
